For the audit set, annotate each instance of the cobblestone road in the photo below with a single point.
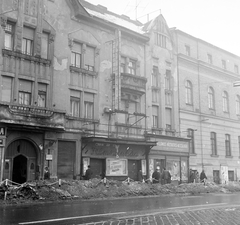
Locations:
(219, 216)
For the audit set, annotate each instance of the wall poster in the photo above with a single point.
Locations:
(116, 167)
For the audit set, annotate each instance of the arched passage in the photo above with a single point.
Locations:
(21, 161)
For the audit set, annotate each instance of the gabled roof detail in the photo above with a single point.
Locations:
(77, 9)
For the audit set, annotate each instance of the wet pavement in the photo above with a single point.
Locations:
(218, 216)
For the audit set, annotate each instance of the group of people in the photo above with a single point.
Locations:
(194, 177)
(163, 178)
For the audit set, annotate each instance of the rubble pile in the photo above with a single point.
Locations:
(54, 190)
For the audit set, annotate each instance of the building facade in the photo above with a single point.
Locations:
(209, 106)
(83, 86)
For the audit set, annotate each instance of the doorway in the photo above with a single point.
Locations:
(19, 169)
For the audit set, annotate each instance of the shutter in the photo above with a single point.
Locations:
(25, 86)
(6, 89)
(89, 56)
(28, 33)
(76, 94)
(42, 87)
(77, 47)
(88, 97)
(155, 110)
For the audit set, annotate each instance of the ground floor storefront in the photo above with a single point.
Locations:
(172, 154)
(117, 159)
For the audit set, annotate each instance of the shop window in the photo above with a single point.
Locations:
(27, 40)
(6, 88)
(24, 94)
(231, 175)
(42, 94)
(216, 178)
(44, 45)
(9, 36)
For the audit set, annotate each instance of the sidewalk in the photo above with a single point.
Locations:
(219, 216)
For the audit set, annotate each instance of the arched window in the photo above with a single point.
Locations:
(225, 101)
(211, 103)
(238, 105)
(188, 92)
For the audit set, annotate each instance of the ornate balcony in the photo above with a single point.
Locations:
(133, 83)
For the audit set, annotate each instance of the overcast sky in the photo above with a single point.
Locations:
(214, 21)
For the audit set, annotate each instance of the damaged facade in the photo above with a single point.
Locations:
(81, 85)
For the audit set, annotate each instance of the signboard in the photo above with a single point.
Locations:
(49, 157)
(116, 167)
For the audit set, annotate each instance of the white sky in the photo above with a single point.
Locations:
(214, 21)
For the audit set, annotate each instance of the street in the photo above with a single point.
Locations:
(167, 210)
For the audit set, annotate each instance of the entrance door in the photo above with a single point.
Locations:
(97, 166)
(66, 159)
(133, 167)
(216, 177)
(19, 169)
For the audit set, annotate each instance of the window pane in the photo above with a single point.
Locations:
(8, 41)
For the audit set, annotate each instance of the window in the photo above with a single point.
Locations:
(155, 116)
(237, 105)
(191, 142)
(160, 40)
(228, 145)
(9, 34)
(209, 58)
(168, 80)
(211, 103)
(89, 58)
(24, 94)
(236, 69)
(214, 143)
(168, 118)
(123, 65)
(44, 45)
(75, 103)
(231, 175)
(225, 101)
(155, 76)
(27, 41)
(132, 67)
(88, 106)
(168, 98)
(6, 89)
(188, 92)
(154, 95)
(42, 94)
(187, 50)
(224, 64)
(76, 55)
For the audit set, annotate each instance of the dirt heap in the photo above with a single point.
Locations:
(55, 190)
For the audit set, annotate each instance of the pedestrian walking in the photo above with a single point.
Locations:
(203, 177)
(192, 176)
(156, 175)
(46, 173)
(89, 173)
(166, 176)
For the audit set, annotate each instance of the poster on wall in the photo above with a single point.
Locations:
(86, 162)
(151, 167)
(224, 174)
(173, 166)
(116, 167)
(144, 167)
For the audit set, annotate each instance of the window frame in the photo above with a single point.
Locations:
(191, 143)
(155, 122)
(75, 104)
(188, 92)
(213, 138)
(228, 145)
(88, 104)
(225, 100)
(211, 98)
(11, 35)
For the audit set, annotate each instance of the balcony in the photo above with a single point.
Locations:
(31, 116)
(133, 83)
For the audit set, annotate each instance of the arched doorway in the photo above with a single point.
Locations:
(19, 174)
(21, 161)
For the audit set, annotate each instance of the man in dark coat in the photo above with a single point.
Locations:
(156, 176)
(166, 176)
(89, 173)
(203, 177)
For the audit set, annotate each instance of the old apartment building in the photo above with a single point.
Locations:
(81, 85)
(209, 106)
